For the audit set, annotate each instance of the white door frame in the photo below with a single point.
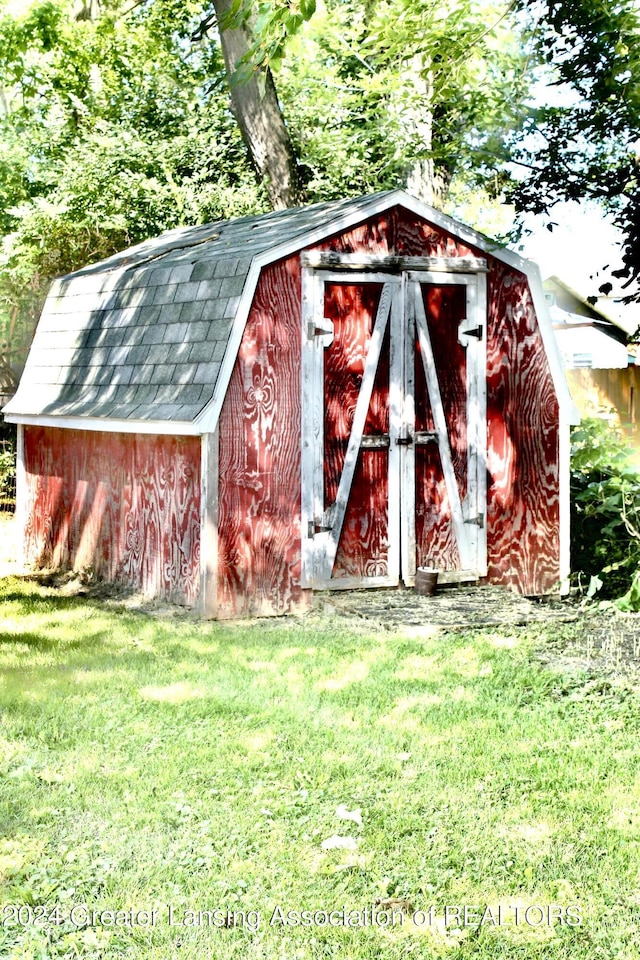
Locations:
(402, 307)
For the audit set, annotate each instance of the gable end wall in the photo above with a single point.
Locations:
(523, 437)
(260, 424)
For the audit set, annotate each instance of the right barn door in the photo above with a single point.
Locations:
(443, 460)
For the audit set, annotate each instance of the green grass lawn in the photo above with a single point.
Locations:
(169, 765)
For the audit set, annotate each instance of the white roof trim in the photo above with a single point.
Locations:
(177, 428)
(207, 420)
(209, 416)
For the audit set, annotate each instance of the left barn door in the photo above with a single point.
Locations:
(352, 402)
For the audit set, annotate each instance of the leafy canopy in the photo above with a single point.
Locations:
(478, 62)
(371, 88)
(111, 130)
(115, 121)
(587, 143)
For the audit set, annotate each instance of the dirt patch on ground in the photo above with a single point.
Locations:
(82, 584)
(70, 583)
(597, 642)
(455, 608)
(605, 645)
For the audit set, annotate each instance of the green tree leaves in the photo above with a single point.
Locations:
(111, 130)
(586, 145)
(116, 123)
(375, 91)
(605, 532)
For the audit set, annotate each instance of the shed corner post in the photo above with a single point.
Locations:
(21, 498)
(564, 494)
(208, 600)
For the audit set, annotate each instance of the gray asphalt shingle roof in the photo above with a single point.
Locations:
(142, 335)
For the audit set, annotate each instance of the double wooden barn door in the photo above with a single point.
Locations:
(394, 424)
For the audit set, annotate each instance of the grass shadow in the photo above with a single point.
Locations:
(41, 642)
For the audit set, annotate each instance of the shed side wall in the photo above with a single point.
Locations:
(259, 537)
(127, 506)
(523, 448)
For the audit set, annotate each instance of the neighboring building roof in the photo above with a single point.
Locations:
(586, 336)
(584, 345)
(146, 340)
(569, 306)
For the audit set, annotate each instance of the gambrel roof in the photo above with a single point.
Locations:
(146, 339)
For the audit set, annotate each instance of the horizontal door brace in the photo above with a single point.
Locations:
(390, 263)
(425, 436)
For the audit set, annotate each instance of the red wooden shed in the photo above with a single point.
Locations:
(236, 415)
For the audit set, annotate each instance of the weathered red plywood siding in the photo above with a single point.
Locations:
(445, 307)
(401, 233)
(259, 539)
(126, 505)
(524, 442)
(260, 424)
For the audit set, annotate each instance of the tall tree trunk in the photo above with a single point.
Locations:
(425, 180)
(257, 111)
(428, 184)
(86, 9)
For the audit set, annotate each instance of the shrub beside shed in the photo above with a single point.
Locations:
(235, 415)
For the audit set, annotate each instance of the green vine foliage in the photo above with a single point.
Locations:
(7, 474)
(605, 499)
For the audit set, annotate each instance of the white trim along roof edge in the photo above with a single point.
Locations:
(172, 428)
(208, 418)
